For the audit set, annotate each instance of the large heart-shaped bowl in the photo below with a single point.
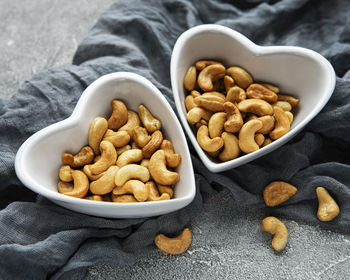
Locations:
(297, 71)
(39, 158)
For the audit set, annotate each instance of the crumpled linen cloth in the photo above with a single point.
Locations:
(39, 239)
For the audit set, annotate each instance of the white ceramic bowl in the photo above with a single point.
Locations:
(297, 71)
(39, 158)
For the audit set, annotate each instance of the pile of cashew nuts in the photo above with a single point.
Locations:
(232, 114)
(127, 160)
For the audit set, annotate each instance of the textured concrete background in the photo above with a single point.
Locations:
(227, 242)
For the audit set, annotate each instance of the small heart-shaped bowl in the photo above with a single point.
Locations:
(297, 71)
(39, 158)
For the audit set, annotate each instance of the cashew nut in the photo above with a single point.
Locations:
(176, 245)
(196, 114)
(154, 194)
(136, 187)
(216, 124)
(328, 209)
(96, 158)
(94, 197)
(234, 118)
(190, 78)
(133, 121)
(130, 156)
(123, 149)
(202, 122)
(118, 139)
(267, 141)
(145, 162)
(231, 148)
(85, 156)
(255, 106)
(134, 145)
(259, 138)
(97, 130)
(208, 144)
(214, 154)
(189, 102)
(172, 159)
(235, 94)
(272, 87)
(64, 187)
(105, 184)
(108, 158)
(278, 192)
(210, 102)
(250, 117)
(153, 144)
(268, 124)
(81, 185)
(284, 105)
(242, 78)
(282, 124)
(290, 99)
(278, 229)
(65, 173)
(140, 136)
(210, 74)
(260, 92)
(119, 115)
(201, 64)
(91, 176)
(149, 122)
(165, 190)
(246, 136)
(228, 82)
(131, 171)
(159, 172)
(195, 93)
(126, 198)
(290, 117)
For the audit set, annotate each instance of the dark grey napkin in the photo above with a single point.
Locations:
(41, 240)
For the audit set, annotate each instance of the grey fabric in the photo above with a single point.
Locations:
(41, 240)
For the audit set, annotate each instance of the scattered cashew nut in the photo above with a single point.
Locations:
(328, 209)
(176, 245)
(278, 229)
(278, 192)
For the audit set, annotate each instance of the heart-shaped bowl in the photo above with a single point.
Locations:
(39, 158)
(297, 71)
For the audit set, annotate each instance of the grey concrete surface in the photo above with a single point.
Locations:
(227, 241)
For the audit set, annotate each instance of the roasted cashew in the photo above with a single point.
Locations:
(140, 136)
(118, 139)
(290, 117)
(81, 185)
(219, 96)
(242, 78)
(133, 121)
(189, 102)
(131, 171)
(96, 158)
(272, 87)
(154, 194)
(256, 106)
(119, 115)
(231, 148)
(214, 154)
(210, 102)
(229, 82)
(165, 189)
(258, 91)
(259, 139)
(210, 74)
(216, 124)
(135, 146)
(97, 130)
(159, 172)
(130, 156)
(208, 144)
(283, 105)
(105, 184)
(190, 79)
(85, 156)
(234, 118)
(328, 209)
(246, 136)
(153, 144)
(278, 192)
(94, 197)
(268, 124)
(65, 173)
(64, 187)
(176, 245)
(136, 187)
(201, 64)
(278, 229)
(267, 141)
(91, 176)
(235, 94)
(145, 162)
(126, 198)
(108, 158)
(196, 114)
(282, 124)
(149, 122)
(290, 99)
(202, 122)
(195, 93)
(250, 117)
(123, 149)
(172, 159)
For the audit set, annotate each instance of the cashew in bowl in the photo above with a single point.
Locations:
(267, 141)
(201, 64)
(246, 136)
(135, 187)
(150, 123)
(210, 102)
(255, 106)
(153, 144)
(278, 229)
(283, 105)
(131, 171)
(130, 156)
(140, 136)
(119, 115)
(259, 138)
(229, 83)
(159, 172)
(271, 87)
(196, 114)
(94, 197)
(328, 209)
(165, 189)
(282, 124)
(154, 194)
(208, 144)
(210, 74)
(123, 149)
(231, 148)
(133, 121)
(118, 139)
(176, 245)
(290, 116)
(81, 185)
(190, 79)
(85, 156)
(126, 198)
(65, 173)
(260, 92)
(235, 94)
(172, 159)
(241, 77)
(108, 158)
(216, 124)
(278, 192)
(234, 118)
(105, 184)
(64, 187)
(91, 176)
(268, 124)
(189, 102)
(97, 130)
(290, 99)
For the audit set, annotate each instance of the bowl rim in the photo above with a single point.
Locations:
(74, 119)
(256, 50)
